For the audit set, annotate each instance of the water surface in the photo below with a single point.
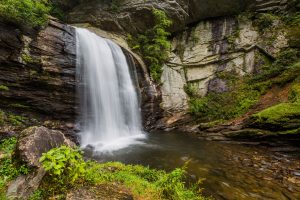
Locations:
(232, 171)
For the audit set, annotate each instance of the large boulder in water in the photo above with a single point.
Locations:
(35, 141)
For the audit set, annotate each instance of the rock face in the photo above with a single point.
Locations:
(35, 141)
(129, 16)
(25, 185)
(201, 54)
(38, 69)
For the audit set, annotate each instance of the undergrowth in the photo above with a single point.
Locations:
(9, 169)
(244, 93)
(143, 183)
(26, 12)
(154, 45)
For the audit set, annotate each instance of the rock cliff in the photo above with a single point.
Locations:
(38, 69)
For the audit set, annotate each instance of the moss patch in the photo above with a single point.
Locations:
(279, 113)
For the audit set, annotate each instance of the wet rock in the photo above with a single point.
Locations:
(102, 192)
(25, 185)
(35, 141)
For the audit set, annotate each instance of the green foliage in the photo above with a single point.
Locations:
(224, 106)
(26, 12)
(37, 195)
(4, 88)
(265, 21)
(154, 45)
(145, 183)
(295, 93)
(246, 92)
(16, 119)
(8, 168)
(8, 145)
(115, 5)
(64, 164)
(191, 90)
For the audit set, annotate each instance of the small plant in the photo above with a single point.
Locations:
(64, 164)
(191, 90)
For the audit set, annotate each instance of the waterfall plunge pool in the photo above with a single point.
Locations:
(232, 171)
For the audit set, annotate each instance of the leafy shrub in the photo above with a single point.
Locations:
(25, 12)
(154, 45)
(265, 21)
(64, 164)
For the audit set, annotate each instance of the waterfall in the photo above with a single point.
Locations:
(109, 111)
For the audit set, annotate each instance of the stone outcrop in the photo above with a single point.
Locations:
(25, 185)
(200, 54)
(127, 16)
(35, 141)
(38, 69)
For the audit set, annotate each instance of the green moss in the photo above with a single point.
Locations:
(17, 105)
(16, 120)
(279, 113)
(4, 88)
(27, 58)
(2, 117)
(295, 93)
(26, 12)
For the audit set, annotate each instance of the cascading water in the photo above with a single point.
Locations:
(109, 114)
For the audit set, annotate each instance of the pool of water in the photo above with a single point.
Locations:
(231, 171)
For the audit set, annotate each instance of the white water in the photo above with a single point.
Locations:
(110, 116)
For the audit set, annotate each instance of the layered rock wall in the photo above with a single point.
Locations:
(38, 69)
(227, 44)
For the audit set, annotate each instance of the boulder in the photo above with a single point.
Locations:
(25, 185)
(35, 141)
